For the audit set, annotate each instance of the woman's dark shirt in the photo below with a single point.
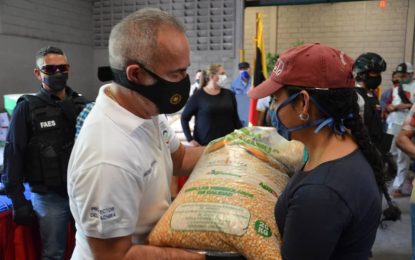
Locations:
(330, 212)
(215, 116)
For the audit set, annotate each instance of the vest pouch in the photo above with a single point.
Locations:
(33, 174)
(50, 166)
(64, 159)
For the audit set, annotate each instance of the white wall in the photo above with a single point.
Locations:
(18, 61)
(26, 26)
(353, 27)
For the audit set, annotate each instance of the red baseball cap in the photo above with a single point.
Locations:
(311, 66)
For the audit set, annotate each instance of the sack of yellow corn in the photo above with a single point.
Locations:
(228, 202)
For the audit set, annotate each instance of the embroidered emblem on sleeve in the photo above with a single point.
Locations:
(102, 214)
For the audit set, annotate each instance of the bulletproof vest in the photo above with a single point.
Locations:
(51, 138)
(371, 116)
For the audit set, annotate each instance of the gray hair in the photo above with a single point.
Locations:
(134, 38)
(40, 54)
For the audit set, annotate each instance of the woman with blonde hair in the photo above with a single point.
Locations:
(214, 109)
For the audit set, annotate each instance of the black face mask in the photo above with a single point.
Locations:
(56, 81)
(169, 97)
(372, 82)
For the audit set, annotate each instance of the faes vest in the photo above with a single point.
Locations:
(51, 138)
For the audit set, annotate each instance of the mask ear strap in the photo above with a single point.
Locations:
(154, 75)
(320, 108)
(314, 123)
(328, 121)
(287, 101)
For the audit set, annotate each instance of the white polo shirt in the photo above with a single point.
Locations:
(119, 174)
(396, 118)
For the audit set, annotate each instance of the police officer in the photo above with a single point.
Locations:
(37, 151)
(367, 71)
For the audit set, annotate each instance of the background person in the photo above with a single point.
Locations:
(37, 151)
(262, 106)
(121, 165)
(214, 109)
(196, 85)
(405, 143)
(398, 108)
(386, 98)
(367, 71)
(240, 86)
(321, 211)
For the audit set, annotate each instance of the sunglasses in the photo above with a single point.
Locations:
(52, 69)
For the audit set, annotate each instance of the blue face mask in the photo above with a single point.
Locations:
(321, 122)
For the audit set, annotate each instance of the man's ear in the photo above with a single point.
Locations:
(36, 71)
(134, 73)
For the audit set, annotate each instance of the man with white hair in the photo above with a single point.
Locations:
(123, 160)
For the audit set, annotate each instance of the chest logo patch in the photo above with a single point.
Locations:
(47, 124)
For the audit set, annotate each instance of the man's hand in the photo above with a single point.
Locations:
(23, 214)
(185, 159)
(122, 248)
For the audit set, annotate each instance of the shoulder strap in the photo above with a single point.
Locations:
(42, 96)
(40, 100)
(28, 98)
(402, 95)
(34, 101)
(80, 100)
(72, 105)
(362, 93)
